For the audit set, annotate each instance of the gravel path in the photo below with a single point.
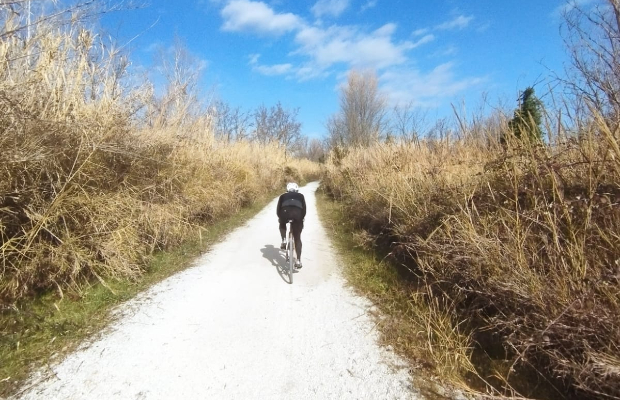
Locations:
(232, 328)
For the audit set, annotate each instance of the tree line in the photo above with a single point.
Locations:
(365, 118)
(265, 124)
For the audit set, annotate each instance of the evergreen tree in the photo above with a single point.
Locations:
(527, 118)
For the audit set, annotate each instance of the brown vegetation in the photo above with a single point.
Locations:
(96, 172)
(524, 242)
(519, 234)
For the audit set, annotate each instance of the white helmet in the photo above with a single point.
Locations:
(292, 187)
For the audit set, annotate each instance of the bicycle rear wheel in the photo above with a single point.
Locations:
(291, 256)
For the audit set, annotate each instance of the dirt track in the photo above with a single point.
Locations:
(232, 328)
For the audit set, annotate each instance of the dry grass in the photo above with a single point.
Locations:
(42, 330)
(90, 187)
(523, 242)
(415, 325)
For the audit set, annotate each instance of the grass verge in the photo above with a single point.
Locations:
(36, 332)
(427, 333)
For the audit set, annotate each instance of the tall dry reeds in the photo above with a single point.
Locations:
(525, 240)
(89, 189)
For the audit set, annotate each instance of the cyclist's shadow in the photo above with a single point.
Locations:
(277, 259)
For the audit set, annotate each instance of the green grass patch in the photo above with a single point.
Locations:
(36, 332)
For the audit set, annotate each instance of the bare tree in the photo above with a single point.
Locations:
(313, 149)
(181, 102)
(261, 124)
(409, 122)
(592, 35)
(230, 123)
(285, 126)
(336, 129)
(439, 135)
(280, 125)
(362, 119)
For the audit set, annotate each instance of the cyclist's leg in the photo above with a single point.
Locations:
(298, 226)
(282, 228)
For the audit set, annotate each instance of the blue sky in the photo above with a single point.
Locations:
(431, 53)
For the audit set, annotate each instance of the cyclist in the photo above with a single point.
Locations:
(292, 207)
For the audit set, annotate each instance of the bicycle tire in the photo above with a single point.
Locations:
(291, 256)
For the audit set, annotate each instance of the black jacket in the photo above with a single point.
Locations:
(292, 199)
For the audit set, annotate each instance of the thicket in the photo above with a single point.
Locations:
(97, 172)
(525, 245)
(521, 239)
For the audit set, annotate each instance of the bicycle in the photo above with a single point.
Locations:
(290, 251)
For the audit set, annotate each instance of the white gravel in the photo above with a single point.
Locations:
(231, 328)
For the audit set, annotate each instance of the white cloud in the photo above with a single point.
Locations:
(276, 69)
(459, 22)
(337, 44)
(325, 50)
(153, 47)
(269, 70)
(425, 89)
(423, 40)
(307, 72)
(331, 8)
(484, 27)
(255, 16)
(420, 32)
(253, 58)
(451, 50)
(386, 30)
(369, 4)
